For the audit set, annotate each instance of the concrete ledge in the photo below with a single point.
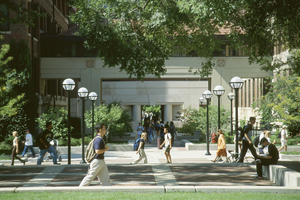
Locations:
(230, 189)
(292, 179)
(180, 189)
(8, 189)
(158, 189)
(135, 189)
(187, 144)
(278, 174)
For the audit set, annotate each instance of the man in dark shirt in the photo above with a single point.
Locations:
(98, 166)
(247, 142)
(45, 146)
(270, 158)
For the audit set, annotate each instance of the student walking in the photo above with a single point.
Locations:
(28, 144)
(15, 149)
(168, 145)
(139, 130)
(45, 146)
(247, 142)
(98, 166)
(283, 139)
(141, 150)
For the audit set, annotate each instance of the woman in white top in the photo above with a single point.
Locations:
(283, 139)
(15, 149)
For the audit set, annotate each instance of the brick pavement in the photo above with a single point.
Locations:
(189, 168)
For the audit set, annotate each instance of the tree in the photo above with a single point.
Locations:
(58, 117)
(197, 118)
(116, 119)
(16, 97)
(139, 36)
(281, 103)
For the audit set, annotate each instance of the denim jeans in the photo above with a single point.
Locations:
(31, 149)
(53, 153)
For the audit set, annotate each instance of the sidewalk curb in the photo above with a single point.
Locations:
(158, 189)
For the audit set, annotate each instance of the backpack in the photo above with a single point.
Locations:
(256, 141)
(90, 151)
(242, 132)
(279, 135)
(38, 141)
(172, 129)
(136, 144)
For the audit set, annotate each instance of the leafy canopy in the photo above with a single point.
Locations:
(139, 36)
(282, 103)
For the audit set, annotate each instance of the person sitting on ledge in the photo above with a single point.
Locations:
(270, 156)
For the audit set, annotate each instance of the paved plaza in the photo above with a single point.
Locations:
(189, 168)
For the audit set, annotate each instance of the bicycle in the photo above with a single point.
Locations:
(234, 158)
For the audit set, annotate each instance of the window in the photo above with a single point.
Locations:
(4, 15)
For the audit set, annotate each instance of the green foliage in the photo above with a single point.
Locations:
(139, 36)
(58, 117)
(156, 110)
(75, 141)
(291, 152)
(197, 118)
(17, 99)
(282, 103)
(113, 116)
(294, 140)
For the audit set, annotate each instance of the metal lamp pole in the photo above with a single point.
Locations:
(93, 97)
(82, 93)
(207, 95)
(231, 96)
(219, 91)
(236, 83)
(69, 85)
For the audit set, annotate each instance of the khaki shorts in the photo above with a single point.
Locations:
(167, 150)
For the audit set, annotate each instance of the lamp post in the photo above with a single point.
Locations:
(69, 85)
(82, 93)
(93, 97)
(202, 100)
(231, 96)
(207, 95)
(236, 83)
(219, 91)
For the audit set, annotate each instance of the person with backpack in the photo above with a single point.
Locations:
(141, 150)
(247, 142)
(98, 166)
(172, 131)
(44, 144)
(15, 149)
(283, 138)
(168, 145)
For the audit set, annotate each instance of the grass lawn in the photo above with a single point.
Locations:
(144, 196)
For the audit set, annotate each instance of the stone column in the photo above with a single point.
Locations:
(168, 113)
(137, 116)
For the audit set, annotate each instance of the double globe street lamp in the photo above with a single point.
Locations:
(207, 95)
(236, 83)
(69, 85)
(82, 93)
(219, 91)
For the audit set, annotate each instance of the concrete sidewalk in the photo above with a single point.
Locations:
(190, 171)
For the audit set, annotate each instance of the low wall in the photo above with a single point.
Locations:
(283, 176)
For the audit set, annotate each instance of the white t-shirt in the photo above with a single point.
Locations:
(29, 138)
(168, 137)
(283, 133)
